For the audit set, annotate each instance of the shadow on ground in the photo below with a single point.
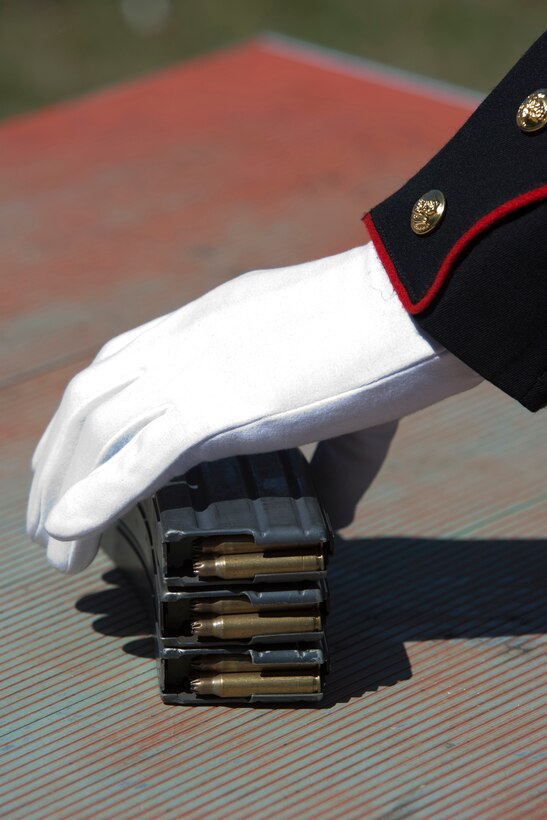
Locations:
(385, 592)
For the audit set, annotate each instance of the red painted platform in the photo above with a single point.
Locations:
(126, 203)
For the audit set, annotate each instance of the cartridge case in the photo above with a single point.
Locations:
(218, 547)
(222, 606)
(232, 567)
(247, 625)
(248, 683)
(227, 606)
(233, 663)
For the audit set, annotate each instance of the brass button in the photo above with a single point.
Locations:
(532, 113)
(427, 212)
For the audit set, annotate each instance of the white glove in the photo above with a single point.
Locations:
(269, 360)
(344, 467)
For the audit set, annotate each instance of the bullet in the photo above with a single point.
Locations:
(225, 606)
(247, 625)
(232, 567)
(233, 663)
(215, 547)
(248, 683)
(221, 606)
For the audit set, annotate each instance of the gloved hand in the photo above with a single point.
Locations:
(344, 467)
(271, 359)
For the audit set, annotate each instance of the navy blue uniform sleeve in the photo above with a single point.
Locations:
(465, 241)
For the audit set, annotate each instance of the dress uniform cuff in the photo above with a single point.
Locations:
(429, 236)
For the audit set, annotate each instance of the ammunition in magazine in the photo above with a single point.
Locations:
(247, 683)
(222, 606)
(232, 567)
(247, 625)
(219, 547)
(231, 663)
(231, 606)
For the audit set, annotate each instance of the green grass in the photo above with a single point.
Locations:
(54, 49)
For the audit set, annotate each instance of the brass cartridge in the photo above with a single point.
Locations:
(247, 683)
(229, 606)
(246, 625)
(218, 547)
(232, 567)
(234, 663)
(222, 606)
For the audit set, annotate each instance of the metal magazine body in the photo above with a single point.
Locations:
(231, 560)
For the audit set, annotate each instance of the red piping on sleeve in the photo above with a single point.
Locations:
(479, 227)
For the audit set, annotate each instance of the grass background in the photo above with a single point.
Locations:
(54, 49)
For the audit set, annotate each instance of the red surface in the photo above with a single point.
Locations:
(240, 160)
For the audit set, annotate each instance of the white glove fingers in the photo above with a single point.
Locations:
(34, 516)
(119, 342)
(72, 556)
(40, 447)
(107, 431)
(143, 465)
(54, 467)
(108, 349)
(344, 467)
(33, 512)
(84, 392)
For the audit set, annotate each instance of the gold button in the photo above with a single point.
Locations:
(532, 113)
(427, 212)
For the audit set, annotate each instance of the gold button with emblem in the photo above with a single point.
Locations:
(532, 112)
(427, 212)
